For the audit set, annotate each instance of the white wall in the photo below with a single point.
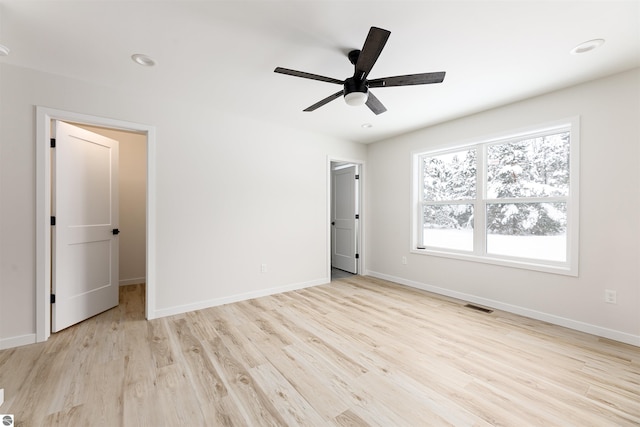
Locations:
(132, 179)
(609, 213)
(231, 195)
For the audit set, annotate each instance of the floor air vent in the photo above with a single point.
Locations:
(482, 309)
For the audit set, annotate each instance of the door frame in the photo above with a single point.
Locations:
(44, 118)
(361, 204)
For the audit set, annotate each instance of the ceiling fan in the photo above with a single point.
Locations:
(356, 89)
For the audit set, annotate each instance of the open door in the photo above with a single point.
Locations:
(85, 213)
(344, 218)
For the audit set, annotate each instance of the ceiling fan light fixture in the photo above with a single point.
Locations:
(356, 99)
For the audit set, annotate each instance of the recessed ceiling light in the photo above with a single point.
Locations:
(366, 126)
(587, 46)
(143, 60)
(4, 51)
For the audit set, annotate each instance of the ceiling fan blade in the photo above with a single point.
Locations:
(373, 45)
(375, 105)
(408, 80)
(307, 75)
(324, 101)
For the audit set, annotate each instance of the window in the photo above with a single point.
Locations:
(509, 200)
(449, 193)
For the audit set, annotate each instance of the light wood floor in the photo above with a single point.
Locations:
(356, 352)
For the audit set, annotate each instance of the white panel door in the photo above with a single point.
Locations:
(85, 206)
(343, 219)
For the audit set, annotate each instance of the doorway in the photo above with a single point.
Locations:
(45, 118)
(132, 198)
(345, 219)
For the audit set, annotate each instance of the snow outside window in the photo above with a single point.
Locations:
(509, 201)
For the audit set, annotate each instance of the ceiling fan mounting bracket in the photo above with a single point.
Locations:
(353, 56)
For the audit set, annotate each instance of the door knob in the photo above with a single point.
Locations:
(115, 231)
(333, 223)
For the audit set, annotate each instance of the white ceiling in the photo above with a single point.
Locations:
(220, 55)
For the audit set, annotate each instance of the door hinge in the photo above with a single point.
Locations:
(53, 220)
(357, 176)
(53, 142)
(53, 298)
(357, 216)
(357, 256)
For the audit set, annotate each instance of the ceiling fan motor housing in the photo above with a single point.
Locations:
(356, 91)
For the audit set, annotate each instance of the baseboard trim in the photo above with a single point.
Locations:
(134, 281)
(179, 309)
(522, 311)
(18, 341)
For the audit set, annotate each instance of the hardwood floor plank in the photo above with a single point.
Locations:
(332, 354)
(349, 419)
(621, 406)
(161, 349)
(105, 380)
(69, 417)
(139, 395)
(520, 388)
(243, 388)
(296, 371)
(15, 367)
(232, 337)
(295, 409)
(210, 389)
(176, 397)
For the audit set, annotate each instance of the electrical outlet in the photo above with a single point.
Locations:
(610, 296)
(404, 260)
(263, 268)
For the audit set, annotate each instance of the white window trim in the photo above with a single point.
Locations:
(571, 266)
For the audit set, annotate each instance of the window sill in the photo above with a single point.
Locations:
(525, 264)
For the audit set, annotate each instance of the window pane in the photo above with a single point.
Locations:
(527, 230)
(448, 226)
(450, 176)
(535, 167)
